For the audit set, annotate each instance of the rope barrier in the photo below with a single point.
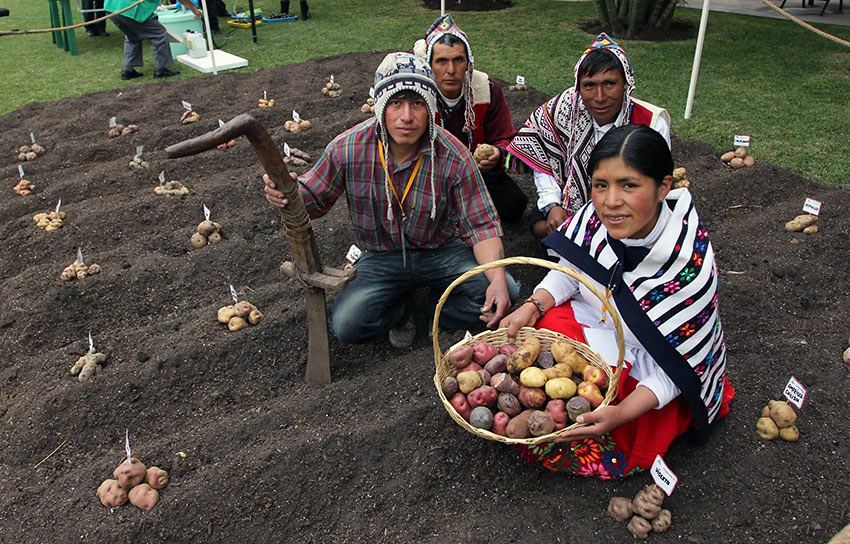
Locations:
(805, 24)
(58, 29)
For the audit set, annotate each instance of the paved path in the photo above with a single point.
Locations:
(809, 14)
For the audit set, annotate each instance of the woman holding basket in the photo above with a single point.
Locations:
(642, 244)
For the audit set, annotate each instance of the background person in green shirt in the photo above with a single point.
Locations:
(140, 23)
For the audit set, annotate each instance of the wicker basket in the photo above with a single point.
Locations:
(499, 338)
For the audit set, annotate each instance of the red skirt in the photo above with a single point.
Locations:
(626, 449)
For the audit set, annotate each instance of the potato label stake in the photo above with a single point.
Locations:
(139, 150)
(332, 78)
(353, 254)
(91, 342)
(21, 170)
(265, 95)
(520, 80)
(233, 294)
(663, 476)
(162, 178)
(127, 446)
(741, 140)
(32, 137)
(220, 123)
(286, 150)
(58, 204)
(811, 206)
(372, 92)
(187, 105)
(295, 116)
(206, 212)
(795, 392)
(113, 122)
(80, 261)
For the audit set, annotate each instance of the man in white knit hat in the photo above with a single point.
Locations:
(419, 209)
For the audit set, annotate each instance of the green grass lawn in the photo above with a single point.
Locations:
(786, 87)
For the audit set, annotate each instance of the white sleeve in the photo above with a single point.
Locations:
(651, 376)
(561, 286)
(663, 128)
(548, 190)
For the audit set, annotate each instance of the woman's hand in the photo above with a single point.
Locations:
(598, 423)
(524, 316)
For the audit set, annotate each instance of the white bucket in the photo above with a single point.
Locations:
(195, 44)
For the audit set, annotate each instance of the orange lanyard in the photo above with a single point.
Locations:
(607, 296)
(390, 181)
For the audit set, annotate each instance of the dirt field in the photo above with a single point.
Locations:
(255, 455)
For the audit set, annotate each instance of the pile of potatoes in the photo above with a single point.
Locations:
(134, 482)
(138, 163)
(265, 103)
(122, 130)
(738, 158)
(171, 188)
(189, 117)
(297, 157)
(209, 232)
(88, 365)
(49, 221)
(78, 270)
(294, 127)
(522, 391)
(805, 223)
(368, 106)
(226, 145)
(777, 419)
(331, 89)
(30, 152)
(644, 510)
(239, 315)
(680, 178)
(518, 87)
(483, 151)
(23, 187)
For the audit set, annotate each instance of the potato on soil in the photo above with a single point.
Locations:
(540, 423)
(728, 156)
(481, 417)
(143, 496)
(737, 162)
(23, 187)
(620, 508)
(130, 473)
(225, 313)
(189, 117)
(237, 323)
(811, 229)
(214, 238)
(766, 428)
(789, 434)
(255, 316)
(662, 522)
(647, 501)
(749, 161)
(156, 477)
(111, 494)
(525, 356)
(846, 356)
(639, 527)
(243, 308)
(801, 222)
(782, 414)
(741, 152)
(198, 240)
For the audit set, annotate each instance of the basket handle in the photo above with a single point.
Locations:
(621, 342)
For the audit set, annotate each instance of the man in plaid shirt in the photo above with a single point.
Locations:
(419, 208)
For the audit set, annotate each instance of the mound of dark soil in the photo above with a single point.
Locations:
(256, 455)
(468, 5)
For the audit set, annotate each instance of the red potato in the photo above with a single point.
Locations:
(143, 496)
(111, 494)
(460, 356)
(156, 477)
(558, 410)
(130, 474)
(509, 404)
(531, 397)
(482, 396)
(505, 383)
(483, 352)
(474, 367)
(485, 376)
(590, 391)
(500, 423)
(497, 364)
(450, 387)
(508, 349)
(594, 374)
(518, 426)
(461, 405)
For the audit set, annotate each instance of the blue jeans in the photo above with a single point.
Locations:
(381, 295)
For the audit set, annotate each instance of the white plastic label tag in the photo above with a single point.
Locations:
(812, 206)
(80, 261)
(21, 170)
(520, 80)
(741, 140)
(795, 392)
(220, 123)
(286, 150)
(162, 178)
(353, 254)
(233, 294)
(265, 95)
(187, 105)
(206, 212)
(295, 116)
(32, 137)
(332, 78)
(663, 476)
(58, 204)
(91, 342)
(372, 92)
(127, 445)
(112, 122)
(139, 150)
(467, 336)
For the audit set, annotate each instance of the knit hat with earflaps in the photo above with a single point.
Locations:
(405, 72)
(425, 49)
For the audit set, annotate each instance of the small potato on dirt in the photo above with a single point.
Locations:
(737, 162)
(304, 125)
(214, 238)
(461, 406)
(198, 240)
(801, 222)
(561, 388)
(766, 428)
(156, 477)
(846, 356)
(525, 356)
(111, 494)
(540, 423)
(31, 156)
(243, 308)
(482, 396)
(662, 522)
(237, 323)
(532, 377)
(225, 313)
(130, 473)
(449, 386)
(255, 316)
(789, 434)
(460, 356)
(647, 501)
(481, 417)
(782, 414)
(741, 152)
(500, 423)
(497, 364)
(143, 496)
(639, 527)
(206, 227)
(811, 229)
(620, 508)
(531, 397)
(509, 404)
(749, 161)
(469, 381)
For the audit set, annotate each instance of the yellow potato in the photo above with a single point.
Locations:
(561, 388)
(728, 156)
(741, 152)
(789, 434)
(766, 428)
(801, 222)
(225, 313)
(525, 356)
(559, 370)
(532, 377)
(561, 349)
